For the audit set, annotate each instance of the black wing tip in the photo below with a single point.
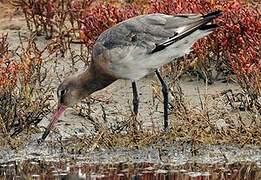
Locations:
(209, 27)
(204, 25)
(213, 14)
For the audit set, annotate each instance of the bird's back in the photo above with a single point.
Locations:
(137, 30)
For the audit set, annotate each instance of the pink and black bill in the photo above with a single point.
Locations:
(57, 113)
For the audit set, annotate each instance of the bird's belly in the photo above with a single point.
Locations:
(123, 71)
(126, 63)
(135, 63)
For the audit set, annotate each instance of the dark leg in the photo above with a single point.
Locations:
(165, 99)
(135, 98)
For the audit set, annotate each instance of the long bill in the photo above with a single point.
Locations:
(57, 113)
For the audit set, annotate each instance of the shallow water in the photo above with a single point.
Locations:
(35, 169)
(172, 162)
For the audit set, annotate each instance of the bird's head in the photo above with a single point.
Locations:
(75, 88)
(69, 92)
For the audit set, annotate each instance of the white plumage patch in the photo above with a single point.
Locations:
(136, 63)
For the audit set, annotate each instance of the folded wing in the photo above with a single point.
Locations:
(150, 41)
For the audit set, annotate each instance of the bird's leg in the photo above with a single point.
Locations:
(165, 92)
(135, 98)
(135, 102)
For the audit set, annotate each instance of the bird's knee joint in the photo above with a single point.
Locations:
(165, 89)
(135, 101)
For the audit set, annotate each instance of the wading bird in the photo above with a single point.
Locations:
(131, 50)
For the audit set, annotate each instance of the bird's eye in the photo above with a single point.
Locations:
(62, 92)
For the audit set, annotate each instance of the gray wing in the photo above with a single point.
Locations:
(150, 33)
(145, 31)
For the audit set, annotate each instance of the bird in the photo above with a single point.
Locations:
(131, 50)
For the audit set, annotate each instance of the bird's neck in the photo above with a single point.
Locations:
(93, 79)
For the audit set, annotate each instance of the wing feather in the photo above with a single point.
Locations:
(152, 32)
